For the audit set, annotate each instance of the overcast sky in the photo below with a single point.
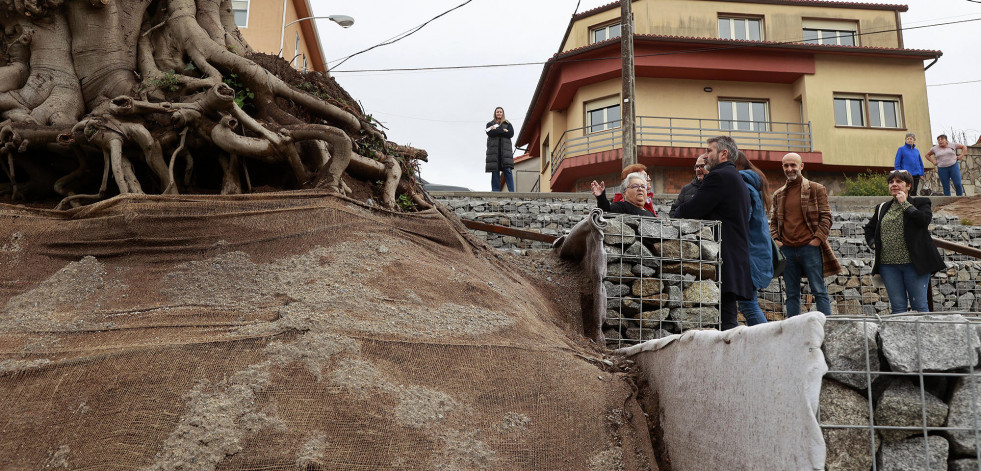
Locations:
(444, 111)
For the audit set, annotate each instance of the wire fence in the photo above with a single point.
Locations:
(902, 392)
(662, 278)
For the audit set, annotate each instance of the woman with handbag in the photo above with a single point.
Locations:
(760, 243)
(905, 255)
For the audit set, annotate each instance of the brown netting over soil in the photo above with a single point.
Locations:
(292, 331)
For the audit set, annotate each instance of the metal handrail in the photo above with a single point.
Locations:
(675, 131)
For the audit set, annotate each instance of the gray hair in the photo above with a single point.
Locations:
(626, 181)
(909, 134)
(725, 143)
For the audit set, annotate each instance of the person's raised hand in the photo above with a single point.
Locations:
(598, 188)
(901, 197)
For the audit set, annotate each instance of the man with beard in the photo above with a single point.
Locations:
(723, 197)
(688, 191)
(800, 224)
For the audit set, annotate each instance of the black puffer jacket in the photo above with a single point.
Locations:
(500, 154)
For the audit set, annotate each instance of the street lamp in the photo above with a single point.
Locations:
(343, 20)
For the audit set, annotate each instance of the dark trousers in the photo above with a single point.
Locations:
(916, 184)
(730, 311)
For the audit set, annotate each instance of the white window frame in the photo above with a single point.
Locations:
(304, 62)
(606, 29)
(830, 32)
(732, 27)
(881, 115)
(296, 50)
(831, 37)
(755, 123)
(849, 115)
(865, 100)
(248, 4)
(604, 104)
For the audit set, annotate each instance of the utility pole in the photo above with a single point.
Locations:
(628, 112)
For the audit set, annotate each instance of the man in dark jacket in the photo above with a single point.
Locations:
(723, 197)
(688, 190)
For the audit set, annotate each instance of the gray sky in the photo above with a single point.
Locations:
(444, 111)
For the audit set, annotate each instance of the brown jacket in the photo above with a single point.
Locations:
(817, 215)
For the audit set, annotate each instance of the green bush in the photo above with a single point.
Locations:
(866, 184)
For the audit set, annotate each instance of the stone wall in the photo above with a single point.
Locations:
(970, 174)
(853, 291)
(920, 373)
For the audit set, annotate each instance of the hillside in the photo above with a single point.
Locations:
(295, 330)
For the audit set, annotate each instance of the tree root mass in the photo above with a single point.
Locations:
(106, 97)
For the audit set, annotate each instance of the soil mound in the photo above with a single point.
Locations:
(293, 331)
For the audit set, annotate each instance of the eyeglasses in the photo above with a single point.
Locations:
(636, 186)
(700, 166)
(900, 171)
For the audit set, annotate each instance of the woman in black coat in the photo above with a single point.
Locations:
(500, 154)
(905, 254)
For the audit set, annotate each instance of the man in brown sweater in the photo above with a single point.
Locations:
(800, 226)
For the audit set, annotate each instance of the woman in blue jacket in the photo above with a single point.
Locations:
(760, 249)
(908, 158)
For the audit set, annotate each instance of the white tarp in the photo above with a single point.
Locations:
(744, 399)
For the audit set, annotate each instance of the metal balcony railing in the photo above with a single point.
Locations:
(685, 132)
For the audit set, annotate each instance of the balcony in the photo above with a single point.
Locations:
(661, 131)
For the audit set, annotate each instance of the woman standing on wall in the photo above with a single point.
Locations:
(760, 249)
(908, 158)
(905, 254)
(500, 155)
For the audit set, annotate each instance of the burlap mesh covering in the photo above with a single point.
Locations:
(289, 331)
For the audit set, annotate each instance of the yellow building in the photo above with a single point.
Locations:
(829, 80)
(266, 27)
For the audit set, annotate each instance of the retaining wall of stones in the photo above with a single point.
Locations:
(853, 291)
(920, 374)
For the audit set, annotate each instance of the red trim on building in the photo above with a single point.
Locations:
(684, 58)
(600, 163)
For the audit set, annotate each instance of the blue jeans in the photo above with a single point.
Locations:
(508, 179)
(805, 261)
(951, 173)
(751, 311)
(905, 287)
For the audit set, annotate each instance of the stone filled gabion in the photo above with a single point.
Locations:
(925, 392)
(661, 278)
(852, 292)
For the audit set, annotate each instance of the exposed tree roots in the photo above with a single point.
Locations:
(104, 97)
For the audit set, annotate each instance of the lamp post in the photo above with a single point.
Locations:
(343, 20)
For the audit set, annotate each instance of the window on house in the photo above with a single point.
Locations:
(873, 111)
(829, 37)
(546, 155)
(603, 33)
(849, 111)
(240, 8)
(830, 32)
(603, 114)
(296, 49)
(743, 115)
(884, 112)
(741, 28)
(304, 63)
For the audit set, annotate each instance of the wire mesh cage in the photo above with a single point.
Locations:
(662, 277)
(902, 392)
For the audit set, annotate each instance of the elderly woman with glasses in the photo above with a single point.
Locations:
(634, 191)
(905, 255)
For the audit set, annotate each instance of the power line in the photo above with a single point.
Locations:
(952, 83)
(688, 51)
(402, 36)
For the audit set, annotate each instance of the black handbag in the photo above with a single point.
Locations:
(779, 261)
